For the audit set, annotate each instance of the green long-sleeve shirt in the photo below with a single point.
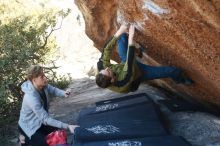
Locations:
(128, 75)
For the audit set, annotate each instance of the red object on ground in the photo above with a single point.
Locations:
(57, 137)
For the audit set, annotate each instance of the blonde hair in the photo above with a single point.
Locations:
(34, 71)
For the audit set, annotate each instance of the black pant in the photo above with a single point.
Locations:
(39, 137)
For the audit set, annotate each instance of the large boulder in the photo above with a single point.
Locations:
(182, 33)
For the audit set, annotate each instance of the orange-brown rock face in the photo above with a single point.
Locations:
(182, 33)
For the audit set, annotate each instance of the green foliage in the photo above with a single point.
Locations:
(25, 39)
(61, 82)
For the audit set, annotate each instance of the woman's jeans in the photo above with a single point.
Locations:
(149, 72)
(39, 137)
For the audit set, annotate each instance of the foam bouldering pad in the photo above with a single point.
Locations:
(145, 111)
(118, 130)
(139, 120)
(129, 120)
(147, 141)
(113, 105)
(123, 98)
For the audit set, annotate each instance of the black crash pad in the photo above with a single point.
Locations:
(113, 105)
(123, 98)
(148, 141)
(139, 120)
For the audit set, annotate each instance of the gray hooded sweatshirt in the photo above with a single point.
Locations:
(33, 114)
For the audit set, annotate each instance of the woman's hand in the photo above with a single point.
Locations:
(72, 128)
(131, 34)
(67, 93)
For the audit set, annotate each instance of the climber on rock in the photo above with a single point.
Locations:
(127, 76)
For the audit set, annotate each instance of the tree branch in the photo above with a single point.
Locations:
(52, 30)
